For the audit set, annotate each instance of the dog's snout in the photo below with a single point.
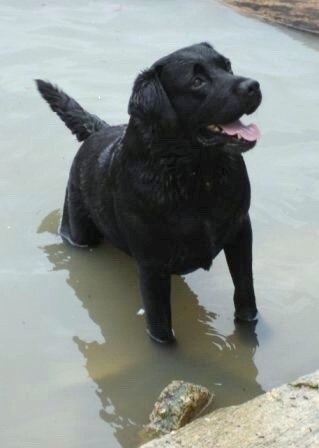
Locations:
(249, 88)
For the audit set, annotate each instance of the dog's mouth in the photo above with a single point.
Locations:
(234, 135)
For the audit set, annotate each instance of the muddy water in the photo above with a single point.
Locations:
(77, 369)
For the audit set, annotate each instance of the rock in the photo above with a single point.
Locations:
(284, 417)
(178, 404)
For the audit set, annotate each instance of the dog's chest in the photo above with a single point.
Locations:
(194, 241)
(190, 246)
(200, 230)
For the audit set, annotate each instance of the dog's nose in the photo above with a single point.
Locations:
(249, 87)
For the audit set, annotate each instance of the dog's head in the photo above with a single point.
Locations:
(194, 91)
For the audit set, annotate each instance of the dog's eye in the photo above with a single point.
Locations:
(197, 82)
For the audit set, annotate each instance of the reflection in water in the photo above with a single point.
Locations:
(129, 369)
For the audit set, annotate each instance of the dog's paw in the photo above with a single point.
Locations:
(246, 315)
(69, 241)
(163, 338)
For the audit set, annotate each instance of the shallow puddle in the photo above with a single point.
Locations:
(77, 369)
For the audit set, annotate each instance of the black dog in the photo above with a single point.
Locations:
(170, 188)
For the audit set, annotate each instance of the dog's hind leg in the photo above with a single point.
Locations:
(155, 289)
(76, 226)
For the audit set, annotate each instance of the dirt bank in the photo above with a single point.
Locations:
(299, 14)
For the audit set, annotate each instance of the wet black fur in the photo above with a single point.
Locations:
(163, 188)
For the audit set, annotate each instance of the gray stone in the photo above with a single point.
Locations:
(286, 417)
(178, 404)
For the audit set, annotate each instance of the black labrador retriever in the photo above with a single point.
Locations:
(171, 187)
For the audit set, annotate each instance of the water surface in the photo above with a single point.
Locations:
(77, 369)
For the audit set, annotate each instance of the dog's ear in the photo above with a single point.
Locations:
(150, 102)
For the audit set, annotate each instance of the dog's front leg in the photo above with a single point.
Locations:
(156, 288)
(239, 259)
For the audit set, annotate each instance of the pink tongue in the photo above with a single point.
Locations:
(250, 132)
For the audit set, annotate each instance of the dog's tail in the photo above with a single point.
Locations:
(80, 122)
